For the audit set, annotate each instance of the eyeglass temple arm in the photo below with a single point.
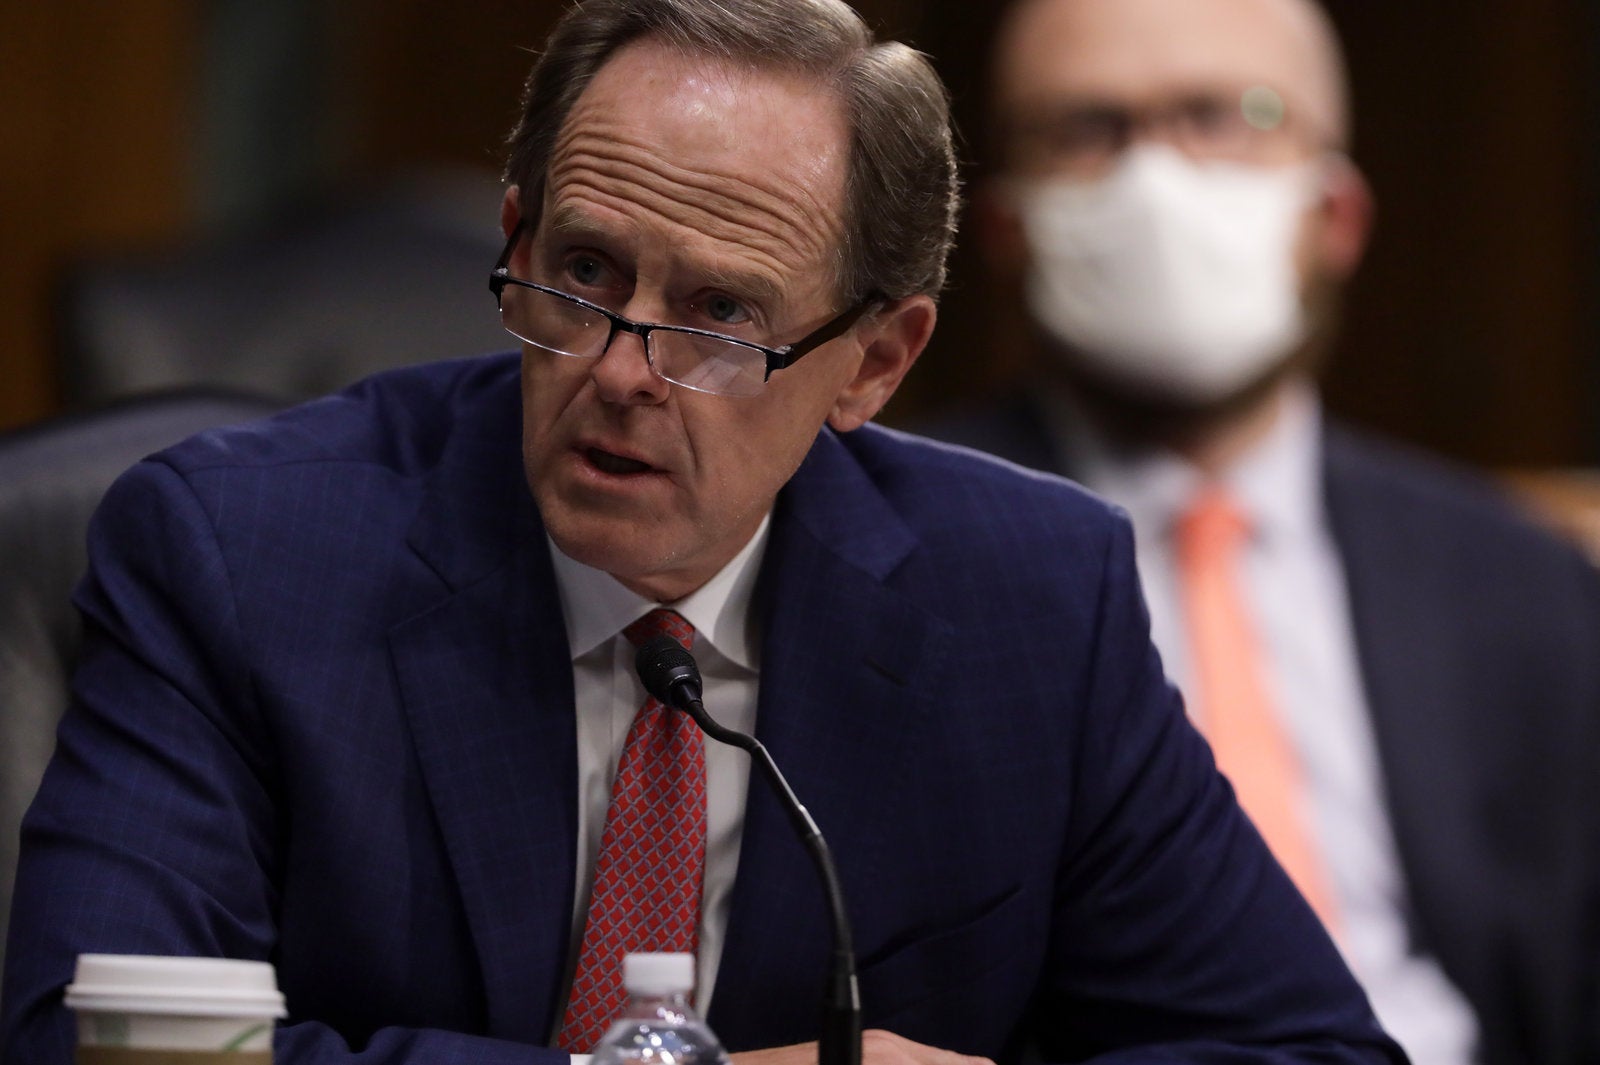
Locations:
(779, 358)
(497, 278)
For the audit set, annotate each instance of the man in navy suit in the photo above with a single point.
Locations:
(353, 687)
(1173, 202)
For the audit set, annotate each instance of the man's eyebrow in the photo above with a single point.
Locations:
(571, 222)
(758, 287)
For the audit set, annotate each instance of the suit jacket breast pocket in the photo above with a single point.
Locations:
(979, 967)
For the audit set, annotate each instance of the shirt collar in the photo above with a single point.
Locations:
(1279, 481)
(597, 606)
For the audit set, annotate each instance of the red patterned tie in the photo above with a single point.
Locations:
(648, 876)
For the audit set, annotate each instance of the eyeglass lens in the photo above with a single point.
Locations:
(705, 364)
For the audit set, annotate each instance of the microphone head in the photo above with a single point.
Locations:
(668, 671)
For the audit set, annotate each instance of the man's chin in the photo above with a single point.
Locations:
(608, 545)
(1141, 411)
(613, 546)
(1162, 401)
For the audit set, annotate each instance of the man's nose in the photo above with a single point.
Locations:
(623, 374)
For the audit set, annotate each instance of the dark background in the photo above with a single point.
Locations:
(1473, 328)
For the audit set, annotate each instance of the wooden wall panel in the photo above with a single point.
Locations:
(1472, 327)
(95, 153)
(435, 83)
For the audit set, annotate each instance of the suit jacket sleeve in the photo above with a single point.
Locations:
(158, 827)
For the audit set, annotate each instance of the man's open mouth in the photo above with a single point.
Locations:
(606, 462)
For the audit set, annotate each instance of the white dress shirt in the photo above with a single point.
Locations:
(608, 695)
(1294, 583)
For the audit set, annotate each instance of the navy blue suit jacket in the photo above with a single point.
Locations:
(1479, 641)
(325, 718)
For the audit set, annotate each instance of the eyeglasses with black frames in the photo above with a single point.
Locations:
(697, 359)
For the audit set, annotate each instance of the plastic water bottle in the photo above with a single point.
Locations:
(659, 1026)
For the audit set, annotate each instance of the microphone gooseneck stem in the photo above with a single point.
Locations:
(840, 1043)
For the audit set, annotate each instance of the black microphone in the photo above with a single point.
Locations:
(669, 674)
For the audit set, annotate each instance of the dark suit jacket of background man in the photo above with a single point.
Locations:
(325, 717)
(1479, 643)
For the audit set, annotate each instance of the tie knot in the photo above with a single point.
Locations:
(657, 622)
(1213, 523)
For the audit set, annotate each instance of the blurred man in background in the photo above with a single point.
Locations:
(1399, 675)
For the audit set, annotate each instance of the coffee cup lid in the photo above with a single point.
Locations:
(195, 987)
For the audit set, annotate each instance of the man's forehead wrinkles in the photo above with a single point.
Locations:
(765, 259)
(780, 224)
(721, 209)
(795, 204)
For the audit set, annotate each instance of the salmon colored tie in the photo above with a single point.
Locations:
(648, 876)
(1251, 745)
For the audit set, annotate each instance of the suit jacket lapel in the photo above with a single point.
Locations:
(486, 682)
(842, 658)
(1404, 648)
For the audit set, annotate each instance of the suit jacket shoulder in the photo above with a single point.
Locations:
(1011, 426)
(1457, 508)
(402, 419)
(956, 499)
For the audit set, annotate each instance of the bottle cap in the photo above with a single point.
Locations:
(658, 974)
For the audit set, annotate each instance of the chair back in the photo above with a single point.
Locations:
(295, 308)
(52, 476)
(1565, 498)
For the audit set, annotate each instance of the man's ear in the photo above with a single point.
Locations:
(510, 217)
(1345, 216)
(510, 209)
(896, 335)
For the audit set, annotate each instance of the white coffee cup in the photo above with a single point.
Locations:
(142, 1010)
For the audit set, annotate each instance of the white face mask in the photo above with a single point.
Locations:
(1172, 278)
